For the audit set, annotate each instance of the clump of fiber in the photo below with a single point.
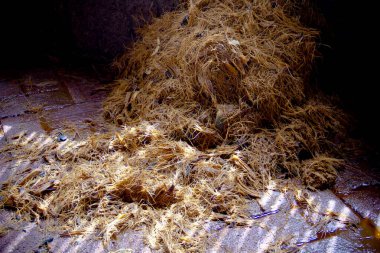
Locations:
(211, 106)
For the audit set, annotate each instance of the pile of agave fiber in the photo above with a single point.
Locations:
(212, 107)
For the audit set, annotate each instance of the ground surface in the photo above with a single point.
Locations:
(41, 102)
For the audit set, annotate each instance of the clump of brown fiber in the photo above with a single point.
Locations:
(211, 107)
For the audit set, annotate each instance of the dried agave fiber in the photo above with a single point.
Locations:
(212, 106)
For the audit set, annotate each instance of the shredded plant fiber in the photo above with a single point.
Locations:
(212, 105)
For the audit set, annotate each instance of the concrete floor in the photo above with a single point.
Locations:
(41, 102)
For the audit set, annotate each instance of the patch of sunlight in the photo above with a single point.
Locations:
(83, 240)
(269, 237)
(272, 185)
(2, 172)
(377, 224)
(19, 238)
(141, 152)
(344, 214)
(265, 198)
(122, 251)
(331, 248)
(278, 202)
(331, 206)
(6, 129)
(65, 245)
(46, 141)
(248, 229)
(99, 248)
(292, 211)
(242, 239)
(193, 231)
(189, 152)
(218, 243)
(268, 198)
(62, 145)
(315, 214)
(306, 236)
(28, 138)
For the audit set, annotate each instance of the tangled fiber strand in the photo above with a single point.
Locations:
(211, 108)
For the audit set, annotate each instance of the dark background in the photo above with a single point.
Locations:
(349, 67)
(75, 32)
(35, 32)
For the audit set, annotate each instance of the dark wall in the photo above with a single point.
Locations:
(29, 31)
(56, 30)
(349, 67)
(104, 28)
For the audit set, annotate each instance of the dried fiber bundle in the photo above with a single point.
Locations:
(210, 108)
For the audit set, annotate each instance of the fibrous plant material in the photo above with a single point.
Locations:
(211, 108)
